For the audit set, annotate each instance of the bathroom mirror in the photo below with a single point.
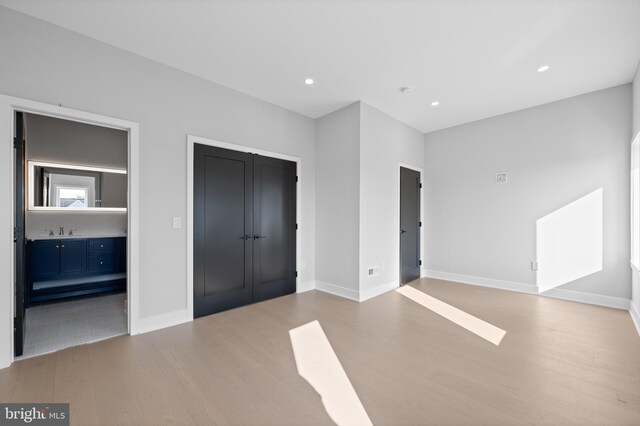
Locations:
(68, 187)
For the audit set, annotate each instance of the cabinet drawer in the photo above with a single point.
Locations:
(101, 262)
(100, 245)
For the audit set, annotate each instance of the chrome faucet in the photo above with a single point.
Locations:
(61, 230)
(51, 234)
(71, 231)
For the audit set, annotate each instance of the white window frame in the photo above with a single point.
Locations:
(83, 188)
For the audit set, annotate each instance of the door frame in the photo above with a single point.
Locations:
(421, 171)
(8, 106)
(191, 141)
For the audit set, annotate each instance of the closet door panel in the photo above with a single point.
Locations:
(222, 229)
(274, 248)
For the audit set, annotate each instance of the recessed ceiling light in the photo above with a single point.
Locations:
(543, 68)
(435, 103)
(308, 81)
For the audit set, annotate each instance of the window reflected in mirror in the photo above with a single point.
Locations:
(76, 187)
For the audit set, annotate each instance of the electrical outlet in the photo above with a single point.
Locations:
(374, 270)
(501, 177)
(534, 265)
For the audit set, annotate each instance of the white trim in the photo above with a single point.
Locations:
(378, 290)
(336, 290)
(8, 106)
(556, 293)
(484, 282)
(157, 322)
(635, 316)
(191, 141)
(307, 286)
(421, 171)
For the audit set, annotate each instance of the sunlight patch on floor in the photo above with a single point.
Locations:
(475, 325)
(319, 365)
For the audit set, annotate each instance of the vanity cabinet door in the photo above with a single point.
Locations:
(44, 259)
(73, 256)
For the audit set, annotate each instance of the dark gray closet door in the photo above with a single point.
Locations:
(274, 227)
(409, 225)
(222, 233)
(244, 229)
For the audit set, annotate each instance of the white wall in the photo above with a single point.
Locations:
(49, 64)
(384, 143)
(337, 200)
(554, 154)
(69, 142)
(636, 128)
(358, 152)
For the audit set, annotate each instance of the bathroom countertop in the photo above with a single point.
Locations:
(80, 235)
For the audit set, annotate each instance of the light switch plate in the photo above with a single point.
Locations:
(177, 223)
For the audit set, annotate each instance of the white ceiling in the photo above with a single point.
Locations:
(477, 57)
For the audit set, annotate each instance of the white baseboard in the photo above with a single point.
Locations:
(378, 290)
(145, 325)
(635, 316)
(556, 293)
(336, 290)
(590, 298)
(484, 282)
(302, 287)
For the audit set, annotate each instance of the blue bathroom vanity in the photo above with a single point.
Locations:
(60, 267)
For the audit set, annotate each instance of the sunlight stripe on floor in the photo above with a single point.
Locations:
(319, 365)
(475, 325)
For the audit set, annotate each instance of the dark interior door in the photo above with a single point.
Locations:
(274, 227)
(409, 225)
(244, 229)
(20, 246)
(222, 232)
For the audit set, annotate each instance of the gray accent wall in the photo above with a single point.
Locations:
(69, 142)
(553, 154)
(49, 64)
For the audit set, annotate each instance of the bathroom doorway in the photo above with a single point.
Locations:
(72, 192)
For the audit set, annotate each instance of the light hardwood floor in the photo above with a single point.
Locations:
(560, 363)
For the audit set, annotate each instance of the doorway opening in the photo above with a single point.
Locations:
(72, 192)
(410, 225)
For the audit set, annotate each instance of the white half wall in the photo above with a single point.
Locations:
(553, 154)
(635, 298)
(385, 143)
(53, 65)
(337, 199)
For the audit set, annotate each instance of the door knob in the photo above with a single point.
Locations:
(257, 237)
(246, 237)
(402, 231)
